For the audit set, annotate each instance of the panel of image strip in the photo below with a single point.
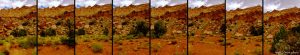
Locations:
(282, 27)
(93, 27)
(168, 27)
(244, 27)
(131, 27)
(56, 27)
(18, 27)
(206, 27)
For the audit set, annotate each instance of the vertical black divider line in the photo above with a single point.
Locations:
(150, 32)
(263, 40)
(112, 27)
(225, 22)
(187, 28)
(74, 17)
(37, 25)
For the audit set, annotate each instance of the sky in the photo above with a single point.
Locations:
(207, 3)
(54, 3)
(271, 5)
(90, 3)
(125, 3)
(8, 4)
(241, 4)
(162, 3)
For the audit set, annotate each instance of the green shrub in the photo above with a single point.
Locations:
(59, 22)
(278, 36)
(159, 29)
(71, 33)
(69, 41)
(256, 31)
(28, 42)
(93, 22)
(2, 42)
(25, 23)
(97, 48)
(1, 53)
(125, 23)
(296, 29)
(23, 32)
(191, 24)
(192, 33)
(19, 32)
(70, 23)
(106, 31)
(223, 28)
(5, 52)
(130, 37)
(43, 33)
(140, 28)
(80, 31)
(49, 32)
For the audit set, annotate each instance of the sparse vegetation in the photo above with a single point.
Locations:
(237, 53)
(140, 28)
(257, 51)
(5, 52)
(1, 53)
(159, 29)
(92, 22)
(19, 32)
(28, 42)
(105, 31)
(276, 41)
(223, 28)
(191, 24)
(48, 32)
(284, 39)
(97, 48)
(80, 31)
(192, 33)
(59, 23)
(296, 30)
(25, 23)
(69, 41)
(256, 31)
(155, 47)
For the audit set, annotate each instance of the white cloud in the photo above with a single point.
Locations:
(125, 3)
(197, 3)
(162, 3)
(234, 5)
(12, 4)
(241, 4)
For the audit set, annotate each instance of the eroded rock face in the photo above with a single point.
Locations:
(244, 19)
(17, 19)
(206, 20)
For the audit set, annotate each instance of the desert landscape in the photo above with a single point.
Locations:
(56, 33)
(131, 30)
(282, 31)
(244, 31)
(168, 30)
(207, 30)
(93, 30)
(18, 31)
(136, 27)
